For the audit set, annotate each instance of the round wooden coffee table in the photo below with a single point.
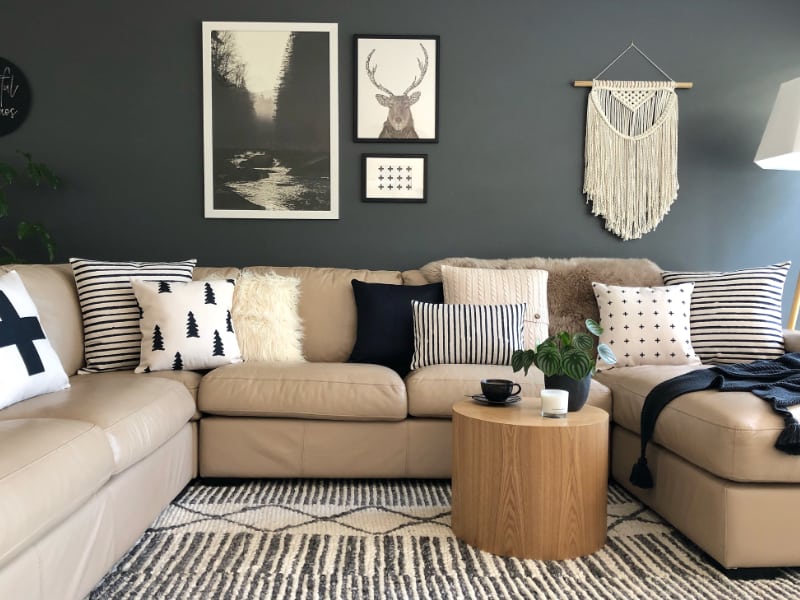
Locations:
(529, 486)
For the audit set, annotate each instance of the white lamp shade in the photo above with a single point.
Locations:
(780, 145)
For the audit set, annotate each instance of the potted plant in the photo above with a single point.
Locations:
(37, 173)
(567, 361)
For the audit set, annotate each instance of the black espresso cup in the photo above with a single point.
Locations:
(498, 390)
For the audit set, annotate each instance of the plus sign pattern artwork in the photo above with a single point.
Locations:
(28, 364)
(398, 178)
(647, 325)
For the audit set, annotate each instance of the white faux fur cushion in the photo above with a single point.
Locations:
(265, 317)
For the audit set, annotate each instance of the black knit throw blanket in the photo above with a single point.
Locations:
(777, 381)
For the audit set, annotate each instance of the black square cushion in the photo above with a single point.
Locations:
(385, 322)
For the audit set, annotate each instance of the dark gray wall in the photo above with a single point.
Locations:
(118, 112)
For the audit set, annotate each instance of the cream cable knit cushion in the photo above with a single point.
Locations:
(265, 317)
(507, 286)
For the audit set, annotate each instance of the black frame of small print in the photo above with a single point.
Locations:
(414, 166)
(404, 58)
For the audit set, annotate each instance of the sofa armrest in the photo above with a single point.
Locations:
(791, 340)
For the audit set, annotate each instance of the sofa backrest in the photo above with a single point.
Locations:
(570, 297)
(53, 290)
(212, 273)
(327, 307)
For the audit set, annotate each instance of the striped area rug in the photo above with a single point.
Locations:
(315, 539)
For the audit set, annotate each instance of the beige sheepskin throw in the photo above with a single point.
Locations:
(265, 317)
(570, 297)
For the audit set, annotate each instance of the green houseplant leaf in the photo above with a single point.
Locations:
(582, 341)
(26, 230)
(605, 352)
(576, 363)
(548, 359)
(593, 327)
(37, 173)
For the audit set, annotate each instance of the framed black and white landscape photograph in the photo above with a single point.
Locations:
(396, 96)
(394, 177)
(270, 120)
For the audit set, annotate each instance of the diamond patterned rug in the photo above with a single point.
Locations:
(320, 539)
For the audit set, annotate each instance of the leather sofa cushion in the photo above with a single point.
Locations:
(137, 413)
(333, 391)
(48, 468)
(327, 307)
(190, 379)
(53, 290)
(729, 434)
(434, 389)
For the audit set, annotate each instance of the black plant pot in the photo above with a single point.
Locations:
(578, 389)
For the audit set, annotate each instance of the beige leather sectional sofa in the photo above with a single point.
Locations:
(85, 470)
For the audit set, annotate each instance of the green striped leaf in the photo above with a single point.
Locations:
(576, 363)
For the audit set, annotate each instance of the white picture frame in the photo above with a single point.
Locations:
(271, 142)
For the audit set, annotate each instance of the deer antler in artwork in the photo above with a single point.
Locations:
(422, 70)
(371, 75)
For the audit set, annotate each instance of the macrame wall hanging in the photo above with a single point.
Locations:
(631, 153)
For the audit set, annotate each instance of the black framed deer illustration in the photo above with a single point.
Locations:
(396, 95)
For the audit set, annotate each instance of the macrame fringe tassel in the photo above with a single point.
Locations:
(631, 154)
(640, 475)
(789, 439)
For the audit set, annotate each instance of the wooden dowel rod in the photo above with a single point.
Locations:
(681, 85)
(795, 307)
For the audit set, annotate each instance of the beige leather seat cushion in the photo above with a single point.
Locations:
(433, 390)
(190, 379)
(48, 468)
(137, 413)
(729, 434)
(336, 391)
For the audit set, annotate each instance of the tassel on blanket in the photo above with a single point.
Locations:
(640, 475)
(789, 439)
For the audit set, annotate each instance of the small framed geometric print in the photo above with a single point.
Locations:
(395, 177)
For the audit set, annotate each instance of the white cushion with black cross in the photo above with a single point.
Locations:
(186, 326)
(28, 364)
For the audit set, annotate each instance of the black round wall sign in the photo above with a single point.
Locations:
(15, 97)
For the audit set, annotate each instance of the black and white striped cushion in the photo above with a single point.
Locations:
(466, 333)
(735, 316)
(110, 313)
